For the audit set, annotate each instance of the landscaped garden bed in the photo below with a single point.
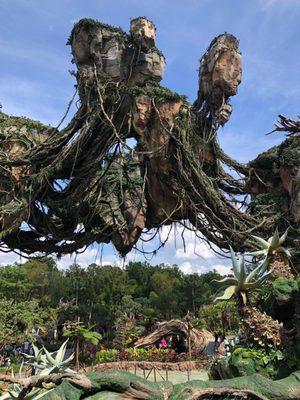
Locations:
(150, 355)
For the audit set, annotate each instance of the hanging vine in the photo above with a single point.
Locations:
(137, 156)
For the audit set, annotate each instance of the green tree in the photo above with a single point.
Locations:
(165, 295)
(80, 335)
(18, 319)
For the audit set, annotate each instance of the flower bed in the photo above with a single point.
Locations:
(151, 355)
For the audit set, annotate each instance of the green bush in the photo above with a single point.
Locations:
(247, 361)
(285, 286)
(153, 355)
(107, 355)
(137, 354)
(213, 316)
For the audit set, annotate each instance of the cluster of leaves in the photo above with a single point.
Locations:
(271, 202)
(218, 317)
(247, 361)
(157, 92)
(82, 334)
(274, 245)
(290, 152)
(18, 319)
(21, 123)
(89, 24)
(153, 355)
(246, 278)
(45, 363)
(243, 279)
(278, 289)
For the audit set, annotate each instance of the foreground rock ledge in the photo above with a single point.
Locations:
(124, 385)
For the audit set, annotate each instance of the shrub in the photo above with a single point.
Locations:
(225, 312)
(247, 361)
(155, 355)
(107, 355)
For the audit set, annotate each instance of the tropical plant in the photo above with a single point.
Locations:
(271, 246)
(247, 361)
(106, 355)
(242, 280)
(14, 392)
(80, 335)
(278, 257)
(256, 326)
(45, 363)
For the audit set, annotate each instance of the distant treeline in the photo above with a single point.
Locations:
(38, 294)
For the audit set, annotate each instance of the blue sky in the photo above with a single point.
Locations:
(35, 82)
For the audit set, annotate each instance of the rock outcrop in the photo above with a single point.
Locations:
(138, 156)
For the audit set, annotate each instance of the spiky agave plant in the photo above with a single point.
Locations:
(14, 392)
(44, 363)
(256, 325)
(242, 281)
(277, 255)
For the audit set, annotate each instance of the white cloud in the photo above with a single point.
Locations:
(186, 267)
(222, 269)
(10, 258)
(89, 256)
(186, 243)
(193, 251)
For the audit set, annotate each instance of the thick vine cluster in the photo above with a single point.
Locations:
(137, 156)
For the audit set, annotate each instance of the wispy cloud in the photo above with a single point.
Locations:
(37, 56)
(269, 4)
(33, 98)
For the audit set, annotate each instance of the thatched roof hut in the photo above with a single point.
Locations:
(199, 338)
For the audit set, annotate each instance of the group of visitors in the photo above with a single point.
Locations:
(223, 346)
(175, 342)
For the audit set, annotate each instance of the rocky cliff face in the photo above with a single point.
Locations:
(220, 74)
(132, 57)
(275, 178)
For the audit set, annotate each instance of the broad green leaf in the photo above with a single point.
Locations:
(284, 251)
(257, 253)
(275, 240)
(282, 238)
(243, 272)
(262, 242)
(260, 269)
(227, 280)
(49, 357)
(61, 352)
(229, 292)
(235, 262)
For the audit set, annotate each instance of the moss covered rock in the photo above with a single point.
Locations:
(122, 385)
